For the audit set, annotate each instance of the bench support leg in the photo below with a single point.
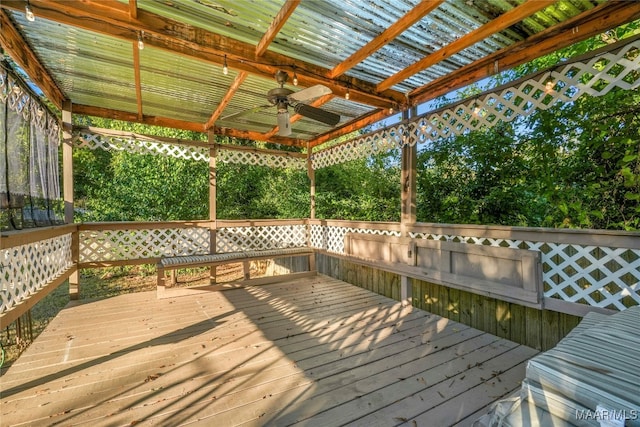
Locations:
(173, 274)
(212, 275)
(406, 291)
(246, 269)
(312, 262)
(160, 285)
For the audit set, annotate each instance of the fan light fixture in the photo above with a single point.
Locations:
(140, 41)
(225, 66)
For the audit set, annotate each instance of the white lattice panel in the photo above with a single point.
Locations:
(331, 238)
(365, 146)
(594, 275)
(86, 138)
(258, 158)
(26, 269)
(118, 245)
(237, 239)
(595, 77)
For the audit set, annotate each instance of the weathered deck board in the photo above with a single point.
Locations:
(312, 351)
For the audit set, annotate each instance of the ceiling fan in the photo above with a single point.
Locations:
(282, 98)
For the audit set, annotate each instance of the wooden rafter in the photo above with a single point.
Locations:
(505, 20)
(12, 42)
(354, 125)
(133, 9)
(261, 48)
(237, 82)
(113, 19)
(585, 25)
(276, 25)
(393, 31)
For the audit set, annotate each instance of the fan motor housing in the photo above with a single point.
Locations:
(279, 96)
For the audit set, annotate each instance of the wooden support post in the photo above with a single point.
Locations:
(67, 192)
(67, 162)
(408, 181)
(213, 154)
(406, 292)
(74, 278)
(312, 180)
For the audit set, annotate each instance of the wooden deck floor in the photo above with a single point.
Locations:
(313, 352)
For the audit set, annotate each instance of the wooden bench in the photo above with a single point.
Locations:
(245, 257)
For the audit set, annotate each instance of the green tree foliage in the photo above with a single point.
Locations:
(574, 165)
(365, 189)
(122, 186)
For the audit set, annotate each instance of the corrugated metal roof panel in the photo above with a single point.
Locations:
(87, 66)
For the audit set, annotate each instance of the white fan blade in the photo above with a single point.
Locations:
(310, 93)
(284, 126)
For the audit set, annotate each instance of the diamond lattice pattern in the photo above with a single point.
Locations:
(117, 245)
(596, 77)
(594, 275)
(237, 239)
(26, 269)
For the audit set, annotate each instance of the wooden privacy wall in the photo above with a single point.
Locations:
(539, 329)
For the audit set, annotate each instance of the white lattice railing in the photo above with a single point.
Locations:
(329, 235)
(598, 275)
(596, 76)
(109, 242)
(260, 237)
(108, 140)
(26, 269)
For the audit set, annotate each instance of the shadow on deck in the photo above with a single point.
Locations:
(312, 351)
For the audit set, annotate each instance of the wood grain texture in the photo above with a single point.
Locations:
(312, 351)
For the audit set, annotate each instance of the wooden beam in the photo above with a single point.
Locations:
(114, 20)
(276, 25)
(181, 124)
(505, 20)
(414, 15)
(354, 125)
(240, 78)
(12, 42)
(90, 110)
(587, 24)
(256, 136)
(136, 74)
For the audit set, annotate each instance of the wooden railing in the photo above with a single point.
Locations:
(581, 269)
(32, 264)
